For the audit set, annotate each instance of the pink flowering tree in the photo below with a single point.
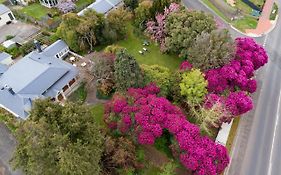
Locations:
(66, 6)
(156, 29)
(144, 116)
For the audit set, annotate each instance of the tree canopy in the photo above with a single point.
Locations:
(58, 139)
(127, 71)
(182, 28)
(211, 50)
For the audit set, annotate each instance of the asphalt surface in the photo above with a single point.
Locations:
(257, 146)
(7, 146)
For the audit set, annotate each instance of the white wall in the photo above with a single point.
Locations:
(5, 18)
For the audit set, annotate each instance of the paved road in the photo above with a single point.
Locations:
(257, 146)
(7, 145)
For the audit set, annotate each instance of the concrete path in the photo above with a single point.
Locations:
(264, 24)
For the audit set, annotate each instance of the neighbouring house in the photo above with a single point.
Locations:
(6, 15)
(6, 58)
(49, 3)
(60, 49)
(40, 74)
(101, 6)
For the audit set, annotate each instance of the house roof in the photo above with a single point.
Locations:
(3, 68)
(4, 56)
(34, 76)
(55, 48)
(3, 9)
(101, 6)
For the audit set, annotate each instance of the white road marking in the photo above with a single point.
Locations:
(274, 133)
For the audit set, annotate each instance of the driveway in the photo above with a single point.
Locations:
(20, 30)
(7, 146)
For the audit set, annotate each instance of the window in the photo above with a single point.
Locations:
(60, 97)
(57, 56)
(71, 82)
(11, 16)
(65, 88)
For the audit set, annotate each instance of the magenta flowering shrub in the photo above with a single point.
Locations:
(239, 73)
(156, 29)
(144, 115)
(185, 65)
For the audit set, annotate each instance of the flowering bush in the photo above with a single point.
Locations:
(238, 74)
(147, 115)
(156, 29)
(185, 65)
(66, 6)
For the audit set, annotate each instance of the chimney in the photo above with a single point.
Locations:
(38, 46)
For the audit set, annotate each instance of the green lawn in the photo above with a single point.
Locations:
(2, 1)
(134, 43)
(245, 23)
(244, 7)
(79, 95)
(97, 111)
(83, 3)
(258, 3)
(36, 10)
(214, 8)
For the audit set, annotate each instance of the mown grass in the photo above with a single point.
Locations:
(133, 44)
(245, 23)
(36, 10)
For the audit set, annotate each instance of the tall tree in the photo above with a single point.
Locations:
(103, 71)
(127, 72)
(183, 27)
(58, 140)
(212, 50)
(142, 14)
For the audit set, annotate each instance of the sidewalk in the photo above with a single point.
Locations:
(264, 24)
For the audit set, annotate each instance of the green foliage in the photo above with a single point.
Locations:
(183, 27)
(27, 48)
(9, 120)
(168, 169)
(131, 4)
(58, 140)
(14, 51)
(162, 143)
(127, 72)
(211, 50)
(8, 37)
(193, 86)
(113, 49)
(79, 95)
(140, 155)
(159, 75)
(142, 14)
(175, 90)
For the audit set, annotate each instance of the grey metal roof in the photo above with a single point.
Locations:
(34, 76)
(3, 9)
(4, 55)
(55, 48)
(3, 68)
(101, 6)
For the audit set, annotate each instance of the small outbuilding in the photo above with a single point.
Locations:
(6, 15)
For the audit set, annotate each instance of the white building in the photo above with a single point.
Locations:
(6, 15)
(49, 3)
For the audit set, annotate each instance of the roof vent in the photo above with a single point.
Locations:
(50, 63)
(11, 91)
(38, 46)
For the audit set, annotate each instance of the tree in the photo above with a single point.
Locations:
(142, 14)
(58, 140)
(118, 153)
(127, 72)
(113, 49)
(159, 75)
(212, 50)
(131, 4)
(103, 71)
(115, 26)
(193, 86)
(183, 27)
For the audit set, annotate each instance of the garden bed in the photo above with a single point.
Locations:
(79, 95)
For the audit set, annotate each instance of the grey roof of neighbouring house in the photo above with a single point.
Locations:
(4, 55)
(55, 48)
(34, 76)
(3, 9)
(101, 6)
